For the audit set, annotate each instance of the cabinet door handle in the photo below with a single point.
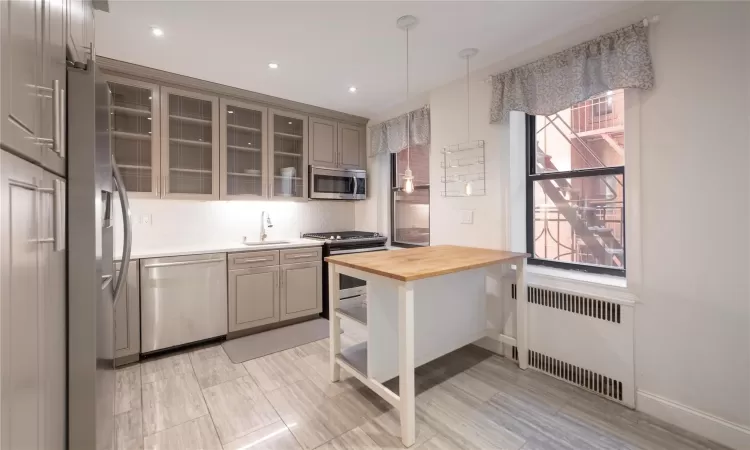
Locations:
(56, 117)
(252, 260)
(183, 263)
(62, 144)
(58, 221)
(303, 255)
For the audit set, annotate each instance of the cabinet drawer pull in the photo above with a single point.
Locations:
(252, 260)
(183, 263)
(303, 255)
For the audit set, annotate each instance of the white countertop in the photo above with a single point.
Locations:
(197, 249)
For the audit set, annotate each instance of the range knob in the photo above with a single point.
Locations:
(338, 237)
(332, 237)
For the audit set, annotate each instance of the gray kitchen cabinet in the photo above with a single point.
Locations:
(301, 290)
(351, 145)
(244, 150)
(52, 86)
(324, 150)
(287, 155)
(135, 131)
(336, 144)
(128, 317)
(20, 38)
(189, 145)
(80, 29)
(53, 307)
(32, 306)
(253, 297)
(33, 81)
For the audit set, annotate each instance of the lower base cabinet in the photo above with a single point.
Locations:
(301, 290)
(253, 297)
(266, 295)
(128, 317)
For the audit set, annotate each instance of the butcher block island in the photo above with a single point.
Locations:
(422, 303)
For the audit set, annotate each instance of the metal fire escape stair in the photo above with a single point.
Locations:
(599, 239)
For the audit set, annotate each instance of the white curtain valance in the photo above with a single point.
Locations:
(616, 60)
(391, 136)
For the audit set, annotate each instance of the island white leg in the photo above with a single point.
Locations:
(406, 388)
(334, 321)
(522, 342)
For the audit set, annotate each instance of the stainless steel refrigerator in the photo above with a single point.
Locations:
(95, 190)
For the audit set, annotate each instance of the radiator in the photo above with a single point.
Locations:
(583, 340)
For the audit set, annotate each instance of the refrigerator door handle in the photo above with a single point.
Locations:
(127, 242)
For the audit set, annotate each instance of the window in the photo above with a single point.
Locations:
(575, 186)
(410, 213)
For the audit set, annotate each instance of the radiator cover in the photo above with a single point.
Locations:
(581, 339)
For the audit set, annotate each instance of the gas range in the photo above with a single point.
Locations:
(338, 239)
(342, 243)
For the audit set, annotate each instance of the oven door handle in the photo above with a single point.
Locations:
(357, 250)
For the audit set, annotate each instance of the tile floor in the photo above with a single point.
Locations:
(468, 399)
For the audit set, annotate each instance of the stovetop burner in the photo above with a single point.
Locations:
(342, 235)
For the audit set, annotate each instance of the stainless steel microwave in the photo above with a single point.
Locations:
(337, 184)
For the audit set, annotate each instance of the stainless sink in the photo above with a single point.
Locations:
(260, 243)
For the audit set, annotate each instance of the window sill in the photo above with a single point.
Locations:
(596, 285)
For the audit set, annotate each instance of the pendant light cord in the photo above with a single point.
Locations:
(408, 116)
(468, 103)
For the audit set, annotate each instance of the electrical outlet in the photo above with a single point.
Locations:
(467, 216)
(147, 219)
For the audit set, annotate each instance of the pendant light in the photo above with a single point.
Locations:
(406, 23)
(467, 54)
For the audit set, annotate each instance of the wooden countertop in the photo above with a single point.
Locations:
(424, 262)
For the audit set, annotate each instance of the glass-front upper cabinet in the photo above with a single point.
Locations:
(244, 150)
(190, 145)
(134, 114)
(288, 155)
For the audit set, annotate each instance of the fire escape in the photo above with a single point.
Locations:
(595, 128)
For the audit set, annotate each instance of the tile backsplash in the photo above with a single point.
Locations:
(168, 223)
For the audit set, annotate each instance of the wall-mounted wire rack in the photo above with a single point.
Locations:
(463, 170)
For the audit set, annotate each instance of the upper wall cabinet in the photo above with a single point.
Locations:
(288, 155)
(352, 152)
(80, 28)
(135, 117)
(32, 86)
(336, 145)
(324, 150)
(244, 150)
(190, 145)
(21, 60)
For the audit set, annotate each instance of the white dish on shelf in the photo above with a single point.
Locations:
(252, 171)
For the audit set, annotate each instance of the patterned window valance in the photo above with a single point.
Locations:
(616, 60)
(390, 136)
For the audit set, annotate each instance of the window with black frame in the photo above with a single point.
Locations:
(575, 186)
(410, 212)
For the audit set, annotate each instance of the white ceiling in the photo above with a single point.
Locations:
(324, 47)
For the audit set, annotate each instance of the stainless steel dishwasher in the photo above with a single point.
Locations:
(183, 300)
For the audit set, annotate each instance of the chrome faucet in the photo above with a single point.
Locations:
(264, 224)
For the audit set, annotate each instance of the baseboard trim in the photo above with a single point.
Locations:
(707, 425)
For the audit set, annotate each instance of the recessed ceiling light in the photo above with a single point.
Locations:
(352, 89)
(156, 31)
(290, 123)
(273, 65)
(229, 111)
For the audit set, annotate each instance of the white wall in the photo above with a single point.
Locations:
(693, 132)
(184, 222)
(693, 326)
